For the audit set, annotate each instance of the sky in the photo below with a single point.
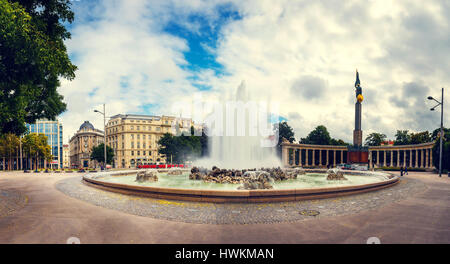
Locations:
(143, 57)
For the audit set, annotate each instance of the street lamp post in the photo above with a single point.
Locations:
(104, 132)
(441, 103)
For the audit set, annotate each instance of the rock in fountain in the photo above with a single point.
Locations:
(292, 173)
(335, 175)
(147, 176)
(256, 180)
(174, 171)
(251, 178)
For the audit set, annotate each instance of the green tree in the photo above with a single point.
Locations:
(437, 131)
(29, 146)
(375, 139)
(319, 136)
(10, 144)
(338, 142)
(284, 131)
(33, 58)
(420, 137)
(204, 143)
(180, 149)
(402, 138)
(445, 151)
(98, 154)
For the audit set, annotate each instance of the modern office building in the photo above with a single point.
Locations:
(134, 137)
(81, 144)
(54, 132)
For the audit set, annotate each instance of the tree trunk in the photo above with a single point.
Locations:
(10, 159)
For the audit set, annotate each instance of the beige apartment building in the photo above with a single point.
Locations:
(81, 144)
(66, 156)
(134, 137)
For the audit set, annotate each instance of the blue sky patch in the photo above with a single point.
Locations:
(203, 39)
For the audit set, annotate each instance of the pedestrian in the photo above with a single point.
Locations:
(406, 170)
(401, 171)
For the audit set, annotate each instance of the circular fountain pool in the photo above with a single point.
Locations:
(311, 185)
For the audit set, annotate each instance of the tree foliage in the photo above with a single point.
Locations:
(32, 59)
(321, 136)
(284, 131)
(98, 154)
(183, 148)
(375, 139)
(403, 137)
(445, 150)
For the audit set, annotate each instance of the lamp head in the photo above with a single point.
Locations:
(432, 109)
(430, 98)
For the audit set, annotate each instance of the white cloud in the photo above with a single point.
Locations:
(274, 45)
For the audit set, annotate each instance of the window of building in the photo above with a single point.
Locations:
(138, 127)
(132, 136)
(132, 153)
(138, 153)
(138, 136)
(132, 144)
(132, 128)
(143, 152)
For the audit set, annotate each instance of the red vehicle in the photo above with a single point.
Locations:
(160, 166)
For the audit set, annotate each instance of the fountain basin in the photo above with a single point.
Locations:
(100, 180)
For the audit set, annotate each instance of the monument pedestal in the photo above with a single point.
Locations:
(357, 155)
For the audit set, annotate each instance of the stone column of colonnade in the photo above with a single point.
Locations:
(392, 159)
(334, 158)
(417, 159)
(378, 158)
(431, 158)
(313, 158)
(410, 158)
(285, 155)
(300, 157)
(398, 158)
(422, 159)
(320, 157)
(306, 157)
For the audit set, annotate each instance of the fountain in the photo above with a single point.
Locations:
(244, 171)
(236, 147)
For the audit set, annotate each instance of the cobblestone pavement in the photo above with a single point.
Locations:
(11, 201)
(239, 213)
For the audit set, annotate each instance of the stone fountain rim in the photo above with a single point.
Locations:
(266, 195)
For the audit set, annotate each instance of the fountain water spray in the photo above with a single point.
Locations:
(241, 134)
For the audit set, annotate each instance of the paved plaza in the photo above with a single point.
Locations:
(50, 208)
